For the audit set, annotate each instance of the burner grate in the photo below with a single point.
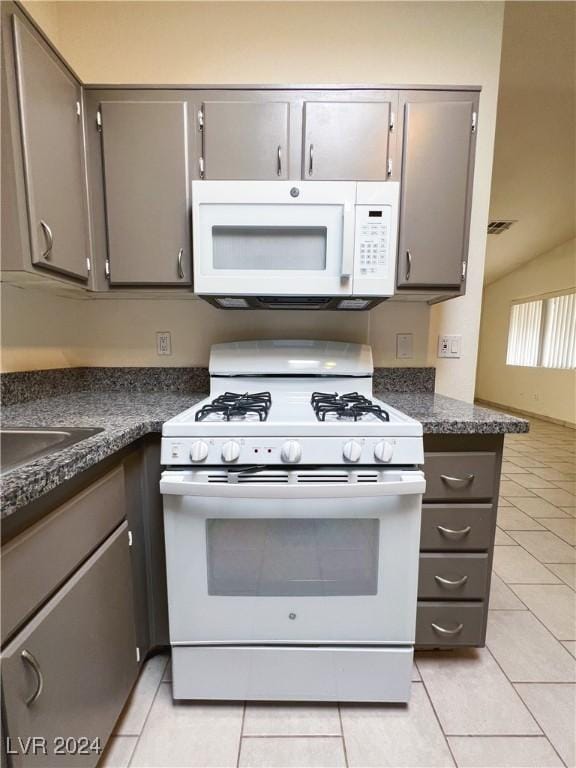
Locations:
(232, 405)
(348, 406)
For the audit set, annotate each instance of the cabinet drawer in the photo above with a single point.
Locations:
(460, 476)
(459, 527)
(35, 563)
(452, 577)
(69, 671)
(450, 624)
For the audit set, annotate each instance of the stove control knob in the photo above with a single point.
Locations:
(230, 451)
(291, 452)
(199, 451)
(352, 450)
(383, 451)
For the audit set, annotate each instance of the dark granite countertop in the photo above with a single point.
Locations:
(126, 417)
(441, 415)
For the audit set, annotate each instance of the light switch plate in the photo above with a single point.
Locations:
(404, 345)
(449, 346)
(163, 343)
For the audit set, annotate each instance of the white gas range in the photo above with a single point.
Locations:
(292, 504)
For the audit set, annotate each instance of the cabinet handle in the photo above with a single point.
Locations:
(180, 268)
(311, 161)
(27, 657)
(447, 632)
(451, 533)
(279, 163)
(457, 482)
(451, 583)
(408, 265)
(49, 240)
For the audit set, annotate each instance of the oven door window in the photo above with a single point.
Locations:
(292, 557)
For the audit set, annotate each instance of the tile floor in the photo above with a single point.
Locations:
(509, 704)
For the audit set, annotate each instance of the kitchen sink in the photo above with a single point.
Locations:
(19, 445)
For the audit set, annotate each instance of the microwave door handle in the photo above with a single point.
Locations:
(347, 268)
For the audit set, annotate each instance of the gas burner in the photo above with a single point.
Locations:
(349, 406)
(231, 405)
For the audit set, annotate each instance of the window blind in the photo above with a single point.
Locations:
(559, 338)
(542, 332)
(524, 334)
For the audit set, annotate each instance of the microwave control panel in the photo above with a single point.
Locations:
(372, 239)
(373, 260)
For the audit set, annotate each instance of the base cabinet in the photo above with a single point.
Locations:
(84, 593)
(457, 539)
(67, 674)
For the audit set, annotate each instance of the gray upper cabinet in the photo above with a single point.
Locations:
(347, 140)
(437, 170)
(147, 192)
(245, 140)
(50, 102)
(70, 670)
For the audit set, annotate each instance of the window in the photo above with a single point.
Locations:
(542, 333)
(559, 343)
(524, 333)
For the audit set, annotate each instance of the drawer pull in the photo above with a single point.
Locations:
(451, 533)
(457, 482)
(451, 583)
(447, 632)
(31, 660)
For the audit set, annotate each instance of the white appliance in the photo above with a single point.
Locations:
(294, 244)
(292, 525)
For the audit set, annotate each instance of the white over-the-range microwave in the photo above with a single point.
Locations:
(295, 244)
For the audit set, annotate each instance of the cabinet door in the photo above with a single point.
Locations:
(147, 191)
(245, 140)
(52, 137)
(346, 141)
(436, 189)
(77, 657)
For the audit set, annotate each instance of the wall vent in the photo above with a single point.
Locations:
(498, 226)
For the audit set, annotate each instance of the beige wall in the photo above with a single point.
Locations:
(41, 330)
(47, 16)
(284, 42)
(538, 60)
(542, 391)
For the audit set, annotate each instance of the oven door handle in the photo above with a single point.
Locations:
(182, 484)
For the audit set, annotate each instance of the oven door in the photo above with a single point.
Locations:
(259, 238)
(318, 556)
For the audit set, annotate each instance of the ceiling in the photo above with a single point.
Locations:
(534, 159)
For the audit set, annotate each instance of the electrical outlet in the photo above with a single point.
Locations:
(163, 343)
(449, 346)
(404, 345)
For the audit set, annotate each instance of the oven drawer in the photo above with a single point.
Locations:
(293, 673)
(452, 577)
(446, 624)
(462, 527)
(459, 476)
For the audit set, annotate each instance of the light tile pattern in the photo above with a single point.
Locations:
(526, 651)
(554, 706)
(510, 705)
(504, 752)
(512, 519)
(545, 546)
